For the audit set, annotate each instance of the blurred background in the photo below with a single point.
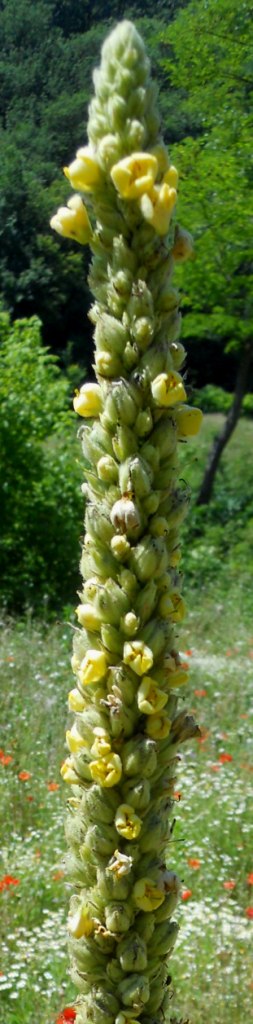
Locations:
(202, 57)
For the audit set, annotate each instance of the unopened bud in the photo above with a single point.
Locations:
(118, 917)
(107, 469)
(88, 617)
(125, 515)
(120, 547)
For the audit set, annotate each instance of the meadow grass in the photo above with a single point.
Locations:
(210, 846)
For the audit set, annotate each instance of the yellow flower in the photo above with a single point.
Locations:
(92, 668)
(75, 701)
(168, 389)
(84, 172)
(158, 727)
(72, 221)
(147, 896)
(138, 656)
(157, 207)
(177, 677)
(88, 616)
(68, 772)
(80, 923)
(127, 822)
(171, 176)
(134, 175)
(107, 770)
(88, 401)
(150, 698)
(75, 742)
(188, 420)
(101, 745)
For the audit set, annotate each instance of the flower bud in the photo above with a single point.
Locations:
(146, 600)
(125, 515)
(138, 794)
(88, 401)
(99, 840)
(68, 772)
(168, 389)
(178, 355)
(171, 176)
(107, 469)
(88, 617)
(132, 952)
(129, 624)
(164, 938)
(118, 917)
(101, 1007)
(94, 806)
(139, 757)
(144, 422)
(134, 991)
(120, 546)
(127, 822)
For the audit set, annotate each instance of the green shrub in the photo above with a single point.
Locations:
(41, 504)
(211, 398)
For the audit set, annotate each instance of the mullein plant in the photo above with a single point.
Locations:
(128, 723)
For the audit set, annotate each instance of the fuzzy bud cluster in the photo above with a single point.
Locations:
(123, 741)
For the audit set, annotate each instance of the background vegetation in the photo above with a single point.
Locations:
(201, 53)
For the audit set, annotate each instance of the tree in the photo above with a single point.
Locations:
(216, 195)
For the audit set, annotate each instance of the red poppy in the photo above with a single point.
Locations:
(249, 913)
(68, 1014)
(177, 795)
(188, 654)
(229, 885)
(58, 875)
(200, 693)
(250, 878)
(186, 895)
(8, 880)
(229, 653)
(5, 758)
(52, 786)
(194, 862)
(215, 767)
(24, 776)
(225, 757)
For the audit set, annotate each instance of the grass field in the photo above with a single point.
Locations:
(211, 847)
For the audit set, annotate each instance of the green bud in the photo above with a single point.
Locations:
(114, 972)
(123, 443)
(111, 887)
(128, 582)
(164, 938)
(145, 925)
(129, 624)
(144, 422)
(151, 504)
(132, 952)
(135, 476)
(151, 455)
(137, 794)
(118, 917)
(122, 685)
(134, 990)
(107, 469)
(94, 806)
(178, 354)
(111, 639)
(146, 601)
(164, 436)
(110, 335)
(122, 719)
(101, 1006)
(154, 833)
(111, 602)
(100, 839)
(142, 331)
(139, 757)
(98, 526)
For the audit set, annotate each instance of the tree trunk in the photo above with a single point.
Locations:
(232, 417)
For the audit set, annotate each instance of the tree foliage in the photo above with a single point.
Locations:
(39, 477)
(216, 175)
